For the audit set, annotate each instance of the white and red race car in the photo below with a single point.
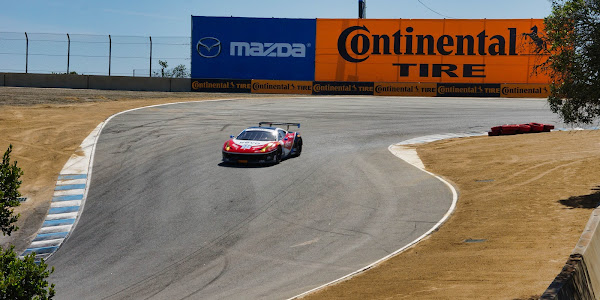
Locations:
(263, 144)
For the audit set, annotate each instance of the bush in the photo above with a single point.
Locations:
(23, 279)
(9, 193)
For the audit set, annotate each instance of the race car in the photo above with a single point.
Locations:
(263, 144)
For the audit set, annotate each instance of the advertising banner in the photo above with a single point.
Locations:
(405, 89)
(221, 85)
(436, 51)
(468, 90)
(525, 90)
(253, 48)
(343, 88)
(282, 87)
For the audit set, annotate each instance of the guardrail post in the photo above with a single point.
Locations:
(109, 53)
(26, 52)
(68, 53)
(150, 72)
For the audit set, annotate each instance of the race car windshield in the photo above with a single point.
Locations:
(256, 135)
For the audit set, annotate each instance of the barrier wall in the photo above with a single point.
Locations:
(580, 277)
(96, 82)
(46, 80)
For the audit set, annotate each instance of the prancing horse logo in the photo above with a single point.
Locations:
(539, 42)
(209, 47)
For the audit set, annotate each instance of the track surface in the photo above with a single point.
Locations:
(165, 220)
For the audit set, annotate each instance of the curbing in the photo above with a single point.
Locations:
(69, 197)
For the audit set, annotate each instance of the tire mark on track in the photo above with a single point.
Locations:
(183, 262)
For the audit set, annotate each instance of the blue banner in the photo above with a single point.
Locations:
(253, 48)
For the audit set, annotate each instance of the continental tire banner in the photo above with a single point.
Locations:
(221, 85)
(282, 87)
(405, 89)
(342, 88)
(436, 51)
(525, 91)
(468, 90)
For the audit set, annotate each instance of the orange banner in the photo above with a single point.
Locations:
(281, 87)
(448, 51)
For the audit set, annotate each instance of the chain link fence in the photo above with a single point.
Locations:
(87, 54)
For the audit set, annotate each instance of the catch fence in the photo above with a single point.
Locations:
(87, 54)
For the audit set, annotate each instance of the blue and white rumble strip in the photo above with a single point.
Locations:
(64, 208)
(67, 202)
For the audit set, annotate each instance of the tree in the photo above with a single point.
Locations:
(19, 278)
(178, 72)
(24, 279)
(573, 38)
(163, 66)
(9, 193)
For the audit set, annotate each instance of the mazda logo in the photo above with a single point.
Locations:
(209, 47)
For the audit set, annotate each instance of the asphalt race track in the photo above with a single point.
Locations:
(164, 219)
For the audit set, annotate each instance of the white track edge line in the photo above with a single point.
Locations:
(430, 231)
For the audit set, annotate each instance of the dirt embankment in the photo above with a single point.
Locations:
(524, 201)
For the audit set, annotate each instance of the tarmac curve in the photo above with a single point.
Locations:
(164, 219)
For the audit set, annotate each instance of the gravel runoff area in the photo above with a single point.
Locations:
(523, 203)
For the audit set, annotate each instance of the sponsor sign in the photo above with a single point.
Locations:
(342, 88)
(405, 89)
(281, 87)
(525, 90)
(411, 50)
(221, 85)
(253, 48)
(468, 90)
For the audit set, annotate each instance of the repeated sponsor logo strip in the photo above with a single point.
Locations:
(416, 89)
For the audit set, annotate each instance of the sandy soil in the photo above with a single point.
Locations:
(523, 202)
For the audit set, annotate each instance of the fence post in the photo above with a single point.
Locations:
(109, 53)
(150, 72)
(26, 52)
(68, 53)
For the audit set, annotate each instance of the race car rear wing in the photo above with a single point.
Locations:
(260, 124)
